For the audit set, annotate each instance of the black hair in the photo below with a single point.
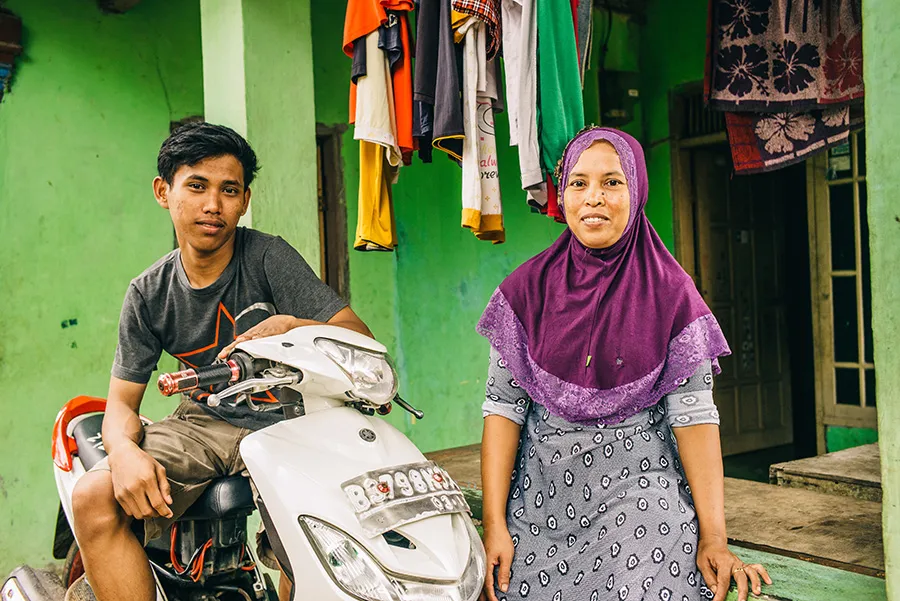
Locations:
(194, 142)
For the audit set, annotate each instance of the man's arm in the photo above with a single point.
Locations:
(121, 422)
(139, 481)
(346, 318)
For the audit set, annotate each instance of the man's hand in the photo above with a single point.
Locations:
(280, 324)
(273, 326)
(139, 483)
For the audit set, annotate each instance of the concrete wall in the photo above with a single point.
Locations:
(882, 77)
(92, 100)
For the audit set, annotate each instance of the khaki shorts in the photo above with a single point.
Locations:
(195, 448)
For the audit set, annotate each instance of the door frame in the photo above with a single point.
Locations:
(333, 237)
(828, 411)
(683, 201)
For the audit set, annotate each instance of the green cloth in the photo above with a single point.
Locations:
(560, 108)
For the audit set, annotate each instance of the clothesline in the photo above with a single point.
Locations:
(447, 99)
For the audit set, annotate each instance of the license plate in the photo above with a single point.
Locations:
(390, 497)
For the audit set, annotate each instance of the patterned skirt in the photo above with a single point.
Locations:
(601, 513)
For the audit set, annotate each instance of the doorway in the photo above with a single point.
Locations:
(749, 278)
(745, 241)
(334, 268)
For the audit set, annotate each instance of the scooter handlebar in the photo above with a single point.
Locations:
(235, 369)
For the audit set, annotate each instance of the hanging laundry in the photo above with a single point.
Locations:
(482, 209)
(390, 39)
(788, 74)
(520, 62)
(560, 108)
(460, 23)
(375, 225)
(585, 34)
(10, 47)
(375, 119)
(376, 36)
(767, 141)
(402, 73)
(379, 155)
(488, 11)
(367, 16)
(437, 81)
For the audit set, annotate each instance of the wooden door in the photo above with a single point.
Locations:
(739, 243)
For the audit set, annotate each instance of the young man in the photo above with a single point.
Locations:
(222, 285)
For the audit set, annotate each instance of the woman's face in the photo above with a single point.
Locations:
(596, 197)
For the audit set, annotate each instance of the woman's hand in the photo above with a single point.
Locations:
(499, 548)
(719, 565)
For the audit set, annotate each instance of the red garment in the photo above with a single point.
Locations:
(553, 202)
(574, 4)
(364, 17)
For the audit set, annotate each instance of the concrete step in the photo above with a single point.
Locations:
(852, 472)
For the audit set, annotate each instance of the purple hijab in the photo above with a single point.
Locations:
(630, 307)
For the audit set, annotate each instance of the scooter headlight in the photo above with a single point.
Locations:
(351, 567)
(359, 575)
(373, 375)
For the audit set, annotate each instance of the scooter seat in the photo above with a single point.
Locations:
(90, 444)
(224, 498)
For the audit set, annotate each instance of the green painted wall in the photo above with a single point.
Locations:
(673, 52)
(257, 58)
(92, 101)
(838, 438)
(881, 46)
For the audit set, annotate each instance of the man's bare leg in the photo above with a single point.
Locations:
(284, 587)
(114, 560)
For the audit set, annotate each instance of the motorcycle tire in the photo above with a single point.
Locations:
(73, 568)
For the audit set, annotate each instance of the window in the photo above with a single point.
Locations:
(842, 299)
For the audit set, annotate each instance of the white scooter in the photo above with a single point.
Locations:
(353, 510)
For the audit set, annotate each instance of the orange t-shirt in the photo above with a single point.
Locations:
(364, 17)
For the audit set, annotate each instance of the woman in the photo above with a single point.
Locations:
(601, 348)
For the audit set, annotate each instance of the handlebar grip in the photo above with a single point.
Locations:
(190, 379)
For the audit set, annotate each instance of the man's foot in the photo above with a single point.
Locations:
(80, 590)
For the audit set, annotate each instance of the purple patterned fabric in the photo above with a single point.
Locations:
(631, 308)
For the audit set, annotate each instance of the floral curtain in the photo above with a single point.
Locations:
(787, 72)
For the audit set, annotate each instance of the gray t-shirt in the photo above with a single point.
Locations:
(162, 312)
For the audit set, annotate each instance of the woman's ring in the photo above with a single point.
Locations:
(736, 570)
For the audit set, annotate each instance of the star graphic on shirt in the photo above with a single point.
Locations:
(225, 333)
(207, 354)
